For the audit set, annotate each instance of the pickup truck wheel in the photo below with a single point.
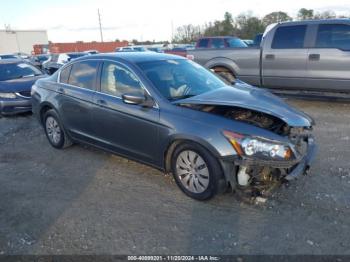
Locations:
(227, 76)
(196, 171)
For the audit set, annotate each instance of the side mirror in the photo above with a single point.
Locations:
(133, 99)
(138, 99)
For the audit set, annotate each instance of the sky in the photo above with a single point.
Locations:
(77, 20)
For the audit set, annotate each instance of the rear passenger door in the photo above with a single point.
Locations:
(77, 87)
(329, 59)
(284, 57)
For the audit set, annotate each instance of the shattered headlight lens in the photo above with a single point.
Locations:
(7, 95)
(256, 147)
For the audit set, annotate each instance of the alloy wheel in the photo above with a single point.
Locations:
(53, 130)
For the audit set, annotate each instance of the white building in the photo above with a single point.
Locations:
(14, 41)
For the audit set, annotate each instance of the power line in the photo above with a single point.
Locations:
(99, 21)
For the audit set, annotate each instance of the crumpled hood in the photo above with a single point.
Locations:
(253, 98)
(19, 85)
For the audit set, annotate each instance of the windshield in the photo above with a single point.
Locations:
(180, 78)
(15, 71)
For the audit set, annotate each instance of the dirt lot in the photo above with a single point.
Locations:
(84, 201)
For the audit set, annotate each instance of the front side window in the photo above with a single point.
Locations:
(117, 80)
(16, 71)
(289, 37)
(333, 36)
(83, 74)
(180, 78)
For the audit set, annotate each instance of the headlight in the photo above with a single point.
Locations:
(257, 147)
(7, 95)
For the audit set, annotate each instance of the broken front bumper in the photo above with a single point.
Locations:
(304, 165)
(294, 168)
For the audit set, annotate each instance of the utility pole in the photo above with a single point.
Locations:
(99, 21)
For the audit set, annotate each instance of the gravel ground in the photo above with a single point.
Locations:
(85, 201)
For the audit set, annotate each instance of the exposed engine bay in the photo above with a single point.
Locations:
(255, 180)
(255, 118)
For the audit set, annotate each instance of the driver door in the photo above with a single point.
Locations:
(131, 130)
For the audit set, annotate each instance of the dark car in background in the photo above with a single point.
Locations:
(173, 114)
(55, 61)
(38, 60)
(8, 56)
(16, 80)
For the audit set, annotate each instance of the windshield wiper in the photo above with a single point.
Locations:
(173, 98)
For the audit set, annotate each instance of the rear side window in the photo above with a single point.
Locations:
(217, 43)
(83, 74)
(203, 43)
(117, 80)
(64, 76)
(289, 37)
(333, 36)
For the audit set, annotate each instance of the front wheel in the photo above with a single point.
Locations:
(196, 171)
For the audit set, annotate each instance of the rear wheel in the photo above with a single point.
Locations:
(196, 171)
(54, 131)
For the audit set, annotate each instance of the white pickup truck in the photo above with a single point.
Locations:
(303, 55)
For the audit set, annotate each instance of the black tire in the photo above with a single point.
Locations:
(213, 166)
(63, 141)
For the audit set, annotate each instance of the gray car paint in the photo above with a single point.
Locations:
(145, 134)
(289, 68)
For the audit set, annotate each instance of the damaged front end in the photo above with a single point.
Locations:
(260, 164)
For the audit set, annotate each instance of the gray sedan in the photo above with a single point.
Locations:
(175, 115)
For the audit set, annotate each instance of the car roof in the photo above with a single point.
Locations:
(133, 57)
(318, 21)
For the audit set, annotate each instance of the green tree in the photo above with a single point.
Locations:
(220, 28)
(276, 17)
(247, 26)
(305, 14)
(227, 24)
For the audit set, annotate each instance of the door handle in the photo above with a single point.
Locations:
(314, 57)
(101, 102)
(61, 90)
(269, 57)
